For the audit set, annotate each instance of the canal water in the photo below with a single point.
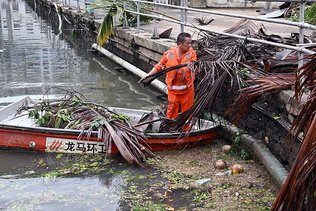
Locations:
(35, 56)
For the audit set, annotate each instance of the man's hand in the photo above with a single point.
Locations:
(142, 79)
(191, 66)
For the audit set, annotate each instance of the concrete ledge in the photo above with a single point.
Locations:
(143, 38)
(140, 44)
(292, 107)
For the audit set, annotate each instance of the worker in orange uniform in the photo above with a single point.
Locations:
(180, 82)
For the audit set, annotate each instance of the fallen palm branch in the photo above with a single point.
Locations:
(72, 112)
(205, 100)
(306, 77)
(298, 191)
(202, 21)
(219, 54)
(245, 27)
(305, 80)
(146, 81)
(260, 86)
(220, 59)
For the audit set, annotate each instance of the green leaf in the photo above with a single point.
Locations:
(41, 121)
(107, 27)
(94, 164)
(41, 162)
(58, 156)
(52, 174)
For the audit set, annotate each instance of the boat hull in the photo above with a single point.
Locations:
(52, 141)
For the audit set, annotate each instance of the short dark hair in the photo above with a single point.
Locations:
(181, 37)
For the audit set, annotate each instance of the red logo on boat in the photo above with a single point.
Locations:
(55, 145)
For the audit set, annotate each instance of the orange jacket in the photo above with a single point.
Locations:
(180, 80)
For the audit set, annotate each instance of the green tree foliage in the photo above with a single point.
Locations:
(309, 15)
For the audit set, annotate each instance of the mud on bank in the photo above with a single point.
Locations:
(252, 190)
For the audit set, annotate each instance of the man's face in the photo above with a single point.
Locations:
(185, 46)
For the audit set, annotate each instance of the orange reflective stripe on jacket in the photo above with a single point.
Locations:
(180, 80)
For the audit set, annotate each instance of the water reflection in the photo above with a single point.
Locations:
(33, 58)
(27, 183)
(59, 194)
(24, 186)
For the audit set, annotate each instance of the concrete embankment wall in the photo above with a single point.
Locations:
(138, 48)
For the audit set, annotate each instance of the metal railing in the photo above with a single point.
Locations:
(184, 9)
(78, 4)
(183, 16)
(183, 22)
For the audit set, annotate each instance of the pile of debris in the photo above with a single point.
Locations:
(247, 70)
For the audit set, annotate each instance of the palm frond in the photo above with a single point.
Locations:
(205, 100)
(106, 29)
(298, 191)
(116, 8)
(306, 77)
(111, 127)
(202, 21)
(245, 27)
(146, 81)
(305, 80)
(260, 86)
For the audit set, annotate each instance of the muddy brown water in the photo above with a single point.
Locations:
(35, 56)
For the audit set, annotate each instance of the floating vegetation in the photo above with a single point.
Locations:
(84, 165)
(73, 112)
(163, 191)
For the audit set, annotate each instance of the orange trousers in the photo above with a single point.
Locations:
(179, 103)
